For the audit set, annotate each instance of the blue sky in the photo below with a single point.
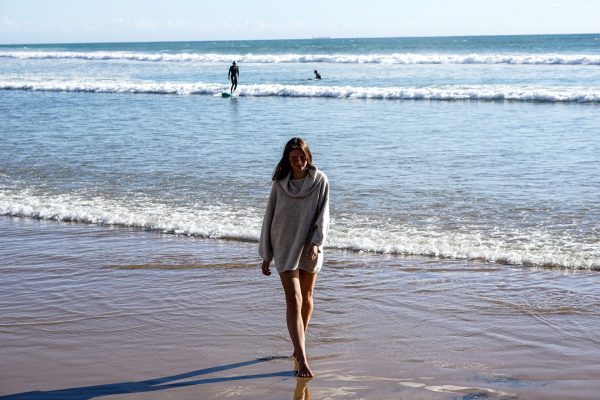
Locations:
(45, 21)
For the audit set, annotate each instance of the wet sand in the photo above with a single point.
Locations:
(92, 311)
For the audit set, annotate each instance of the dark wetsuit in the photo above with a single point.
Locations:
(233, 74)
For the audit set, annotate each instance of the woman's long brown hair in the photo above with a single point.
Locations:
(284, 167)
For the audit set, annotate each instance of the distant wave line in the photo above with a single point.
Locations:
(444, 93)
(338, 58)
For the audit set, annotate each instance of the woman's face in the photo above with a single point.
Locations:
(298, 161)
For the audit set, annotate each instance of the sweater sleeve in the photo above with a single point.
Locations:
(321, 225)
(265, 250)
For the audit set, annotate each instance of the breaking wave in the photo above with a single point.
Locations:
(393, 58)
(221, 221)
(551, 94)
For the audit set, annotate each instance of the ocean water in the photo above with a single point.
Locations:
(477, 148)
(464, 250)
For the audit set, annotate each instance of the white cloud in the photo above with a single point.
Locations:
(13, 26)
(145, 25)
(573, 4)
(9, 23)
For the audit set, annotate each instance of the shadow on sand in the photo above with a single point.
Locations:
(151, 385)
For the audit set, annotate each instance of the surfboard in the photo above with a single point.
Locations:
(225, 94)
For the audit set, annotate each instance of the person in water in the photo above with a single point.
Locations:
(232, 75)
(317, 75)
(293, 231)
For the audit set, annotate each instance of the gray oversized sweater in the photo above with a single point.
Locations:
(294, 220)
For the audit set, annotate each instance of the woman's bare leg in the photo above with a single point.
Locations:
(307, 286)
(293, 299)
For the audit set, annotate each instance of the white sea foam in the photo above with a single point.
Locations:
(202, 221)
(113, 87)
(223, 221)
(444, 93)
(393, 58)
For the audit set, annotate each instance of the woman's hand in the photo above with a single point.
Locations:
(265, 268)
(313, 252)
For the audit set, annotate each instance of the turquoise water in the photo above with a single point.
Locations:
(477, 148)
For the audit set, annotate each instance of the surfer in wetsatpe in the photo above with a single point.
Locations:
(317, 75)
(232, 75)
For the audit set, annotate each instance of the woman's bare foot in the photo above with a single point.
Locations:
(304, 370)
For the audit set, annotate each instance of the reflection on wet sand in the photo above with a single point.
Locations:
(302, 391)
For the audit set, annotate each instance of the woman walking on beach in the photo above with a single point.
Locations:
(293, 231)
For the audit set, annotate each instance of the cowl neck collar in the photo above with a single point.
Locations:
(311, 182)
